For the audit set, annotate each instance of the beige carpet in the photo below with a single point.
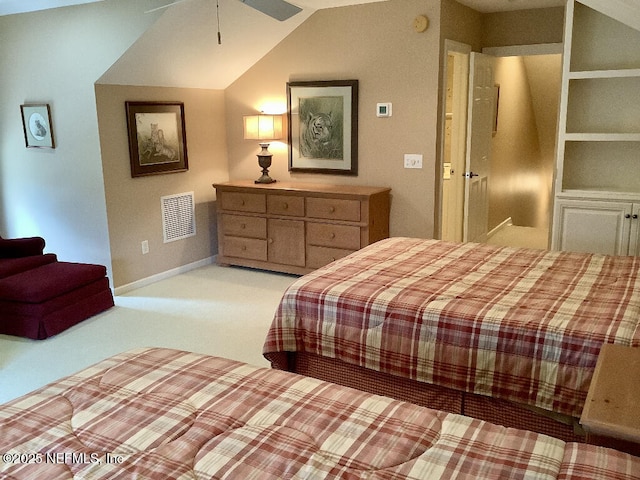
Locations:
(527, 237)
(213, 310)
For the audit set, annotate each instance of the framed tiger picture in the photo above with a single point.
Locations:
(323, 126)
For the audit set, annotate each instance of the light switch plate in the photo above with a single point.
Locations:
(412, 160)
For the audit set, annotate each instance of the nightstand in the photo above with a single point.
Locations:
(611, 414)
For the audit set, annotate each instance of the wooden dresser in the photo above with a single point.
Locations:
(297, 227)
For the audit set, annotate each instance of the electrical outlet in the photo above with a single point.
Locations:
(145, 247)
(412, 160)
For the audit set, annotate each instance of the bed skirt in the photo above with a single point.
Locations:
(437, 397)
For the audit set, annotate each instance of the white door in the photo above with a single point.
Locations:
(480, 121)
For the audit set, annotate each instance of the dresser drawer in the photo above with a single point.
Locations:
(243, 202)
(337, 236)
(333, 209)
(248, 248)
(285, 205)
(242, 226)
(320, 256)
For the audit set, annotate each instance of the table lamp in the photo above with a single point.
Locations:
(263, 128)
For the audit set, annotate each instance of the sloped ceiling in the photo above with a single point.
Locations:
(182, 48)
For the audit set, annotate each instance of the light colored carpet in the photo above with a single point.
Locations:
(526, 237)
(215, 310)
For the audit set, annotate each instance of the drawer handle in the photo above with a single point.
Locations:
(243, 226)
(332, 236)
(242, 202)
(332, 209)
(244, 248)
(285, 205)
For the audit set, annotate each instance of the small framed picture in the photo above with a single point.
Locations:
(37, 126)
(157, 138)
(323, 126)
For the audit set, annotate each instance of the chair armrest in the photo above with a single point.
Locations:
(21, 247)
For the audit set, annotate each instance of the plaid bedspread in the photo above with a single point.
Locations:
(517, 324)
(167, 414)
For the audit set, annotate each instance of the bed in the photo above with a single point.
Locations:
(503, 334)
(161, 413)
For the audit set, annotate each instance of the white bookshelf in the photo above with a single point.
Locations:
(597, 185)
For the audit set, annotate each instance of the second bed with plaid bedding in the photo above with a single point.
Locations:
(169, 414)
(517, 324)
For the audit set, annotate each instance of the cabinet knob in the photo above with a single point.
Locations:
(270, 240)
(285, 205)
(628, 215)
(635, 216)
(332, 236)
(243, 226)
(332, 209)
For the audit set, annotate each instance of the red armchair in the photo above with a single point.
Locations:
(40, 296)
(21, 247)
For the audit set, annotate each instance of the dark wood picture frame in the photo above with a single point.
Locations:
(323, 126)
(157, 138)
(37, 125)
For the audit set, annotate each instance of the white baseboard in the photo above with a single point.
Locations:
(506, 223)
(163, 275)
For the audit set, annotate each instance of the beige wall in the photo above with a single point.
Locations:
(133, 204)
(462, 24)
(524, 145)
(515, 155)
(377, 45)
(523, 27)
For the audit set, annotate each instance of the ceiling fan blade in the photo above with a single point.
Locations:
(165, 6)
(278, 9)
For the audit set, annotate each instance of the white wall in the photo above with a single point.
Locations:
(54, 57)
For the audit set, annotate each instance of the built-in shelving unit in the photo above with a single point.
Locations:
(599, 136)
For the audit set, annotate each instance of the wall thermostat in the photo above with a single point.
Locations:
(383, 110)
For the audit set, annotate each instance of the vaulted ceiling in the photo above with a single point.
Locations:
(20, 6)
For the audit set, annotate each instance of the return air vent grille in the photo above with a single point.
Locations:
(178, 216)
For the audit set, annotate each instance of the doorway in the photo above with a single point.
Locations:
(527, 86)
(454, 141)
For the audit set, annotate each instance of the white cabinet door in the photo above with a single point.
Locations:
(634, 238)
(592, 226)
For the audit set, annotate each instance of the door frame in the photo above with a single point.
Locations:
(451, 46)
(458, 50)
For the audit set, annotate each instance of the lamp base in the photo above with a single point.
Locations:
(264, 160)
(265, 179)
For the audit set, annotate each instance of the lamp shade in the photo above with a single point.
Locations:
(262, 127)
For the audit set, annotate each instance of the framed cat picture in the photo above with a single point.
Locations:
(157, 138)
(323, 126)
(37, 126)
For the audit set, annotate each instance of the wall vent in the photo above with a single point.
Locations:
(178, 216)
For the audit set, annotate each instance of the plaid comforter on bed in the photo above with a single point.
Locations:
(517, 324)
(166, 414)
